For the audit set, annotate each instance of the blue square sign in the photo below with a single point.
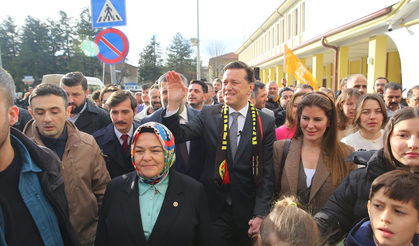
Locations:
(107, 13)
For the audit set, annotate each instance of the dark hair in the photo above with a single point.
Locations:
(360, 105)
(285, 89)
(289, 121)
(120, 96)
(164, 79)
(210, 85)
(304, 86)
(46, 89)
(108, 88)
(410, 92)
(399, 185)
(218, 80)
(392, 85)
(146, 86)
(250, 74)
(203, 85)
(258, 85)
(74, 79)
(287, 224)
(381, 78)
(7, 87)
(345, 96)
(96, 95)
(403, 114)
(154, 86)
(330, 146)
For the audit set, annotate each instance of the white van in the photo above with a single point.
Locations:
(93, 83)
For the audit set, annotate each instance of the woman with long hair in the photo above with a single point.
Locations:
(348, 204)
(345, 106)
(314, 166)
(287, 130)
(370, 117)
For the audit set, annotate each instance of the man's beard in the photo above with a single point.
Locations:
(75, 109)
(155, 105)
(272, 97)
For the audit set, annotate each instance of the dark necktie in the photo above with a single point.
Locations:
(125, 142)
(233, 134)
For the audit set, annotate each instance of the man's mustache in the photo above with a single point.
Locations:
(120, 122)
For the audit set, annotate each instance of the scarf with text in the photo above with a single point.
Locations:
(221, 174)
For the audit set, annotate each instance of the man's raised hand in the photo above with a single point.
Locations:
(176, 90)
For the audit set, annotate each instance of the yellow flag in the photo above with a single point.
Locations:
(298, 70)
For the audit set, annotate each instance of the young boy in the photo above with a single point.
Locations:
(393, 207)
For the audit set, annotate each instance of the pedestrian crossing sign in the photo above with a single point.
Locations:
(107, 13)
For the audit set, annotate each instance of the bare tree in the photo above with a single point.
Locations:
(214, 50)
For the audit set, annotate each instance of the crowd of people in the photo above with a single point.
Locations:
(232, 162)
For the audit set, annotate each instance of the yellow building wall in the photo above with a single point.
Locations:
(272, 74)
(355, 67)
(343, 62)
(377, 52)
(394, 67)
(364, 66)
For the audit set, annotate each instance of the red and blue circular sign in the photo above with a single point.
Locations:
(113, 46)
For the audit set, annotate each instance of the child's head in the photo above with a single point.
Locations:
(288, 225)
(394, 208)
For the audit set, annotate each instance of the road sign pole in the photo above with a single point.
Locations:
(113, 74)
(103, 73)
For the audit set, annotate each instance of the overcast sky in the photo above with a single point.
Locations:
(228, 21)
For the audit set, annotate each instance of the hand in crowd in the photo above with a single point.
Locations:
(176, 90)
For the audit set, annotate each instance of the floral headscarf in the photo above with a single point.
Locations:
(168, 143)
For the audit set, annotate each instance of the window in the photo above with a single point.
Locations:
(303, 18)
(282, 31)
(289, 26)
(277, 34)
(295, 22)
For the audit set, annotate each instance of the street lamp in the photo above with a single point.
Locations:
(195, 42)
(198, 63)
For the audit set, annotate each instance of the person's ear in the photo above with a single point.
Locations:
(87, 93)
(30, 110)
(369, 207)
(13, 115)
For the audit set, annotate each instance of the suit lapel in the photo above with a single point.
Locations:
(131, 210)
(172, 204)
(322, 173)
(292, 164)
(245, 137)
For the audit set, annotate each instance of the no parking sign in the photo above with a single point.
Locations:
(113, 46)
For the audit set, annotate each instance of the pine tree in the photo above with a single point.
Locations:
(179, 57)
(151, 62)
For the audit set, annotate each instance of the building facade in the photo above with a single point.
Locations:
(335, 39)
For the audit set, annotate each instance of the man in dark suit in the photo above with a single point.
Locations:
(239, 186)
(115, 139)
(191, 152)
(84, 114)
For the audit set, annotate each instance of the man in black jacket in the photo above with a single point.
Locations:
(34, 201)
(115, 139)
(84, 114)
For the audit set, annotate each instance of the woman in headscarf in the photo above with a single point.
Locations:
(154, 205)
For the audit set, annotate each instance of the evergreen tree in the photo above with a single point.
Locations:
(10, 46)
(86, 63)
(179, 57)
(151, 62)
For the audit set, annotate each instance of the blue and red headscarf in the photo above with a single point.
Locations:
(168, 143)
